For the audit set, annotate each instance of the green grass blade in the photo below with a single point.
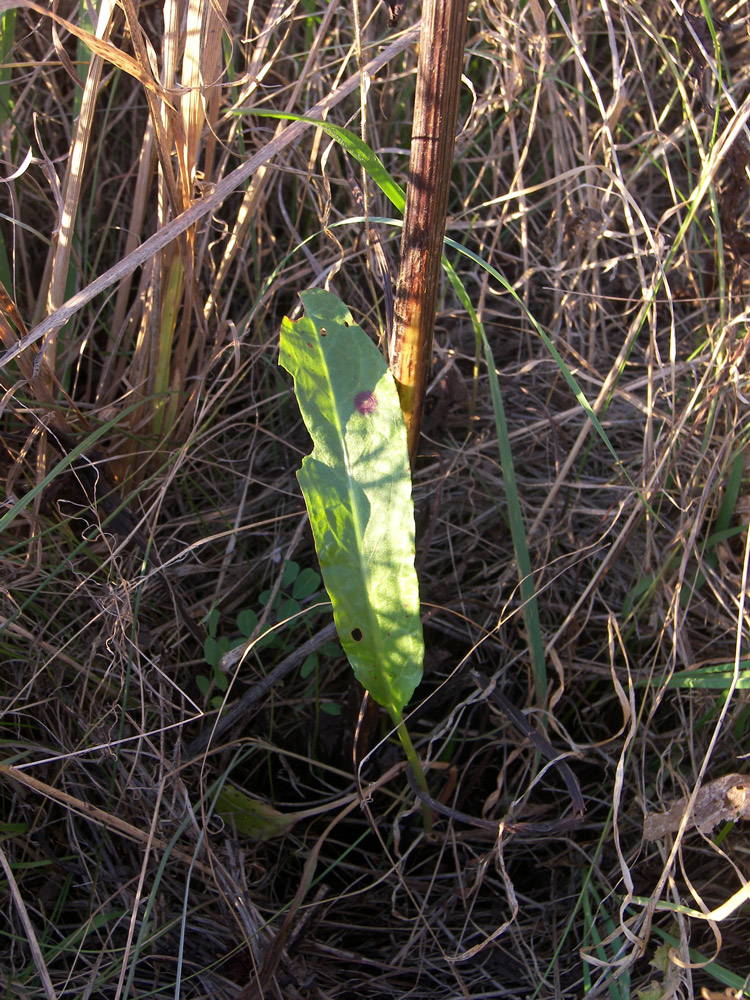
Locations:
(515, 517)
(566, 373)
(353, 145)
(7, 41)
(716, 677)
(357, 487)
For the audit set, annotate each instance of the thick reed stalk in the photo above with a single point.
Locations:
(441, 51)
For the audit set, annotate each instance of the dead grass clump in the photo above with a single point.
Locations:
(153, 232)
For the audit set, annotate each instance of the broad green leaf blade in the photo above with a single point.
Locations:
(357, 487)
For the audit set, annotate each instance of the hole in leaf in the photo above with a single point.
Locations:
(357, 634)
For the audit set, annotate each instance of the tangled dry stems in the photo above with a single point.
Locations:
(581, 146)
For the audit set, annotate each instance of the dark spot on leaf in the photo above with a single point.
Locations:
(357, 634)
(310, 344)
(365, 402)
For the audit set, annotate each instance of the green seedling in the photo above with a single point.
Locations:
(258, 819)
(213, 652)
(357, 488)
(297, 586)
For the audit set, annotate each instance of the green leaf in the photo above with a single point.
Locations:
(306, 584)
(357, 487)
(288, 609)
(212, 621)
(246, 622)
(290, 574)
(252, 817)
(268, 639)
(265, 597)
(310, 664)
(211, 651)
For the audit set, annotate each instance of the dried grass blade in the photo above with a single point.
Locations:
(200, 71)
(108, 52)
(156, 111)
(141, 196)
(96, 815)
(36, 951)
(203, 206)
(74, 175)
(238, 237)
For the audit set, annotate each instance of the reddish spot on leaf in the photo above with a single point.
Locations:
(310, 344)
(365, 402)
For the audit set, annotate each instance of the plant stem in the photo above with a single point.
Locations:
(418, 771)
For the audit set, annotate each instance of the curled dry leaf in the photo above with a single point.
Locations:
(725, 799)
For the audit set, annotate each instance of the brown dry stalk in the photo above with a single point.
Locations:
(441, 51)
